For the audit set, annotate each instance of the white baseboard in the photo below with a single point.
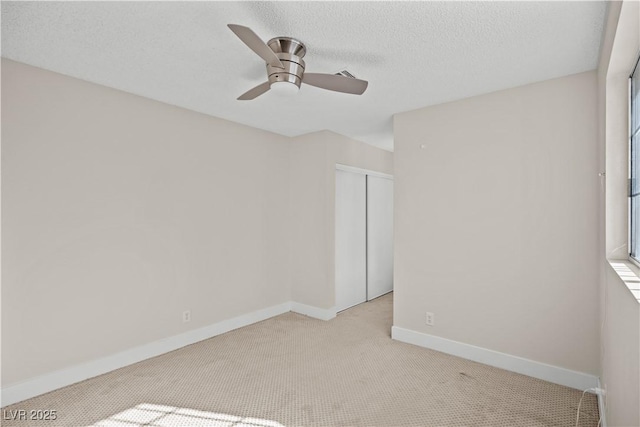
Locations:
(315, 312)
(64, 377)
(543, 371)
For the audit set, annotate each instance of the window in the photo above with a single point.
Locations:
(634, 165)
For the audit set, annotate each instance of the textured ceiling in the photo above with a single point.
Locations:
(413, 54)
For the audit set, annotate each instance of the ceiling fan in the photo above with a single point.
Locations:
(285, 67)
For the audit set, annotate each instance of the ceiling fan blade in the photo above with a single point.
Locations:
(256, 44)
(336, 83)
(255, 92)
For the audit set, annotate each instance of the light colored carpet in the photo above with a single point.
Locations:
(292, 370)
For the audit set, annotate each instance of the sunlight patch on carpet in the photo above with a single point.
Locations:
(150, 415)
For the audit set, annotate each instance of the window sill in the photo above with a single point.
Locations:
(629, 273)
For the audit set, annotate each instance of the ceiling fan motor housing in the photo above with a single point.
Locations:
(290, 52)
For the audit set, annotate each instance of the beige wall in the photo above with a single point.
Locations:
(496, 219)
(621, 353)
(314, 157)
(119, 213)
(619, 310)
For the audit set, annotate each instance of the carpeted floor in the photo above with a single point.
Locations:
(292, 370)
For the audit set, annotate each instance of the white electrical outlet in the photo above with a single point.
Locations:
(186, 316)
(431, 319)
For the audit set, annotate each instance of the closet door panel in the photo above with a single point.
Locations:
(351, 240)
(379, 236)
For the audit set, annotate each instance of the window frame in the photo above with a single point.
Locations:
(632, 107)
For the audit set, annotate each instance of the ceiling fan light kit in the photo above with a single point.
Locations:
(285, 89)
(286, 69)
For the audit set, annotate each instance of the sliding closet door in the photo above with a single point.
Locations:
(351, 239)
(379, 236)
